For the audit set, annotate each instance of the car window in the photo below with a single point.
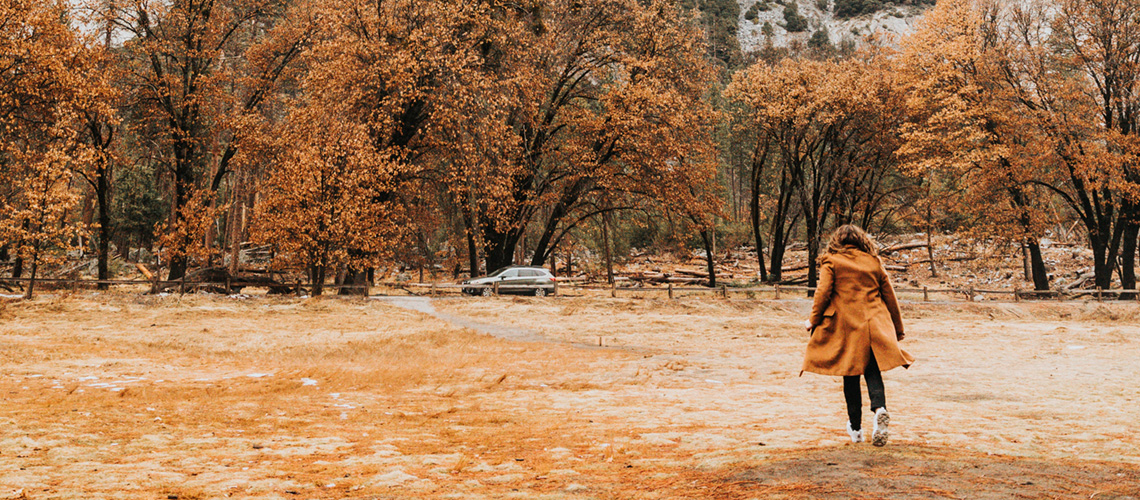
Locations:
(499, 271)
(530, 273)
(509, 273)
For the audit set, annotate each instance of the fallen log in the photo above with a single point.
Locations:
(892, 267)
(699, 274)
(145, 272)
(70, 270)
(962, 259)
(904, 246)
(677, 279)
(800, 267)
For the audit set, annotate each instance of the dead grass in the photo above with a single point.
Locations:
(125, 396)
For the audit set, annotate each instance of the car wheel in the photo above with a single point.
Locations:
(539, 292)
(487, 292)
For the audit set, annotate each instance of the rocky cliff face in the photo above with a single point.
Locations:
(764, 21)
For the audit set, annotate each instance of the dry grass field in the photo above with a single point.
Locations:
(135, 396)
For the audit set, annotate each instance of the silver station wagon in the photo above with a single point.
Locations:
(529, 280)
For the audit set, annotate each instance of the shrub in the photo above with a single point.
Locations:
(847, 9)
(752, 12)
(820, 40)
(794, 22)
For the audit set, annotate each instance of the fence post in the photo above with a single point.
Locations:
(298, 289)
(182, 286)
(777, 291)
(555, 288)
(1017, 294)
(971, 292)
(1099, 291)
(925, 294)
(495, 287)
(670, 291)
(154, 285)
(432, 293)
(724, 291)
(228, 288)
(613, 289)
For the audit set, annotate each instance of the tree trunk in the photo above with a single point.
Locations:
(542, 248)
(1102, 265)
(234, 226)
(317, 273)
(606, 244)
(355, 282)
(930, 244)
(32, 277)
(500, 247)
(779, 231)
(812, 229)
(754, 215)
(759, 159)
(710, 254)
(1128, 259)
(1037, 265)
(472, 246)
(1026, 269)
(318, 280)
(103, 196)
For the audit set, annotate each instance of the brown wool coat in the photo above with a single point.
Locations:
(855, 312)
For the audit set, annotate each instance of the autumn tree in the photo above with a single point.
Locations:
(1094, 120)
(100, 98)
(1068, 76)
(969, 126)
(41, 86)
(327, 203)
(827, 126)
(198, 71)
(601, 101)
(386, 84)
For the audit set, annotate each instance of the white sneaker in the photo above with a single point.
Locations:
(856, 436)
(880, 434)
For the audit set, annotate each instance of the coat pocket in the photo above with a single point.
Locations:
(830, 311)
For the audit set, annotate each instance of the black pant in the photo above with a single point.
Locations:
(874, 390)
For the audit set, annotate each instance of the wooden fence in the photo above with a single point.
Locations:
(299, 288)
(781, 291)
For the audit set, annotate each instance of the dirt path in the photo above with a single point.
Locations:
(203, 397)
(995, 384)
(424, 305)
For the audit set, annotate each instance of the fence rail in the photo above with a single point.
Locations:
(298, 288)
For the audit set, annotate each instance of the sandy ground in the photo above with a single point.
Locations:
(129, 396)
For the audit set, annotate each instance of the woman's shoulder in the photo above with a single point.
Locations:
(853, 258)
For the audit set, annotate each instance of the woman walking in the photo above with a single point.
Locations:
(855, 327)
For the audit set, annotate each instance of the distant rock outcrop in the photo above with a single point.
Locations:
(779, 21)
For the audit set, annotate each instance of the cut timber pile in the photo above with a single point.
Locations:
(214, 280)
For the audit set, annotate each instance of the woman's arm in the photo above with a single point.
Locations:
(822, 293)
(888, 293)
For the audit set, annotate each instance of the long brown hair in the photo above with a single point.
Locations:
(851, 235)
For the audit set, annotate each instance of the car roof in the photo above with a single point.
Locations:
(535, 268)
